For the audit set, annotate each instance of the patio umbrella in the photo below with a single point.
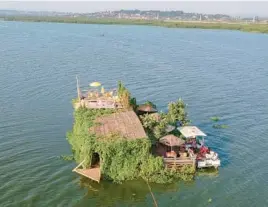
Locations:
(146, 108)
(171, 140)
(95, 84)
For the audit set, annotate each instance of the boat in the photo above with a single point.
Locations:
(210, 159)
(195, 146)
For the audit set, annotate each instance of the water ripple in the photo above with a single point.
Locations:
(215, 72)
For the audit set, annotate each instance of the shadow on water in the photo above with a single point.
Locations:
(128, 193)
(212, 172)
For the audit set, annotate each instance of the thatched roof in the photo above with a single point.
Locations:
(127, 124)
(146, 108)
(171, 140)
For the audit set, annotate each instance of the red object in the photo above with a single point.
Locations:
(202, 152)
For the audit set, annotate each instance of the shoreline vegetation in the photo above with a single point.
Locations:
(244, 27)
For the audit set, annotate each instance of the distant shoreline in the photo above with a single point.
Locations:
(245, 27)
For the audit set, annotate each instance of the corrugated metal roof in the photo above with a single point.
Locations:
(191, 131)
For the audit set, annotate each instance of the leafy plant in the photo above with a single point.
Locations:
(67, 157)
(215, 118)
(220, 126)
(124, 95)
(177, 112)
(154, 127)
(133, 103)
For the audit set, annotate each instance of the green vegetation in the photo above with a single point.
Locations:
(67, 157)
(120, 158)
(155, 126)
(149, 103)
(125, 96)
(177, 112)
(215, 118)
(246, 27)
(220, 126)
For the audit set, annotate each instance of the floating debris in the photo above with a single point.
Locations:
(67, 157)
(215, 118)
(220, 126)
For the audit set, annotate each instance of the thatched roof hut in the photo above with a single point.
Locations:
(171, 140)
(146, 108)
(126, 124)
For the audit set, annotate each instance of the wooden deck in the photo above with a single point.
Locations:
(99, 104)
(127, 124)
(91, 173)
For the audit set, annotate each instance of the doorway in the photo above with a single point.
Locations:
(95, 160)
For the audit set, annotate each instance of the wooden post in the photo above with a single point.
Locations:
(77, 87)
(74, 170)
(79, 93)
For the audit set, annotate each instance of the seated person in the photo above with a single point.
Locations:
(171, 154)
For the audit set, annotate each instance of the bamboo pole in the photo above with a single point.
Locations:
(155, 202)
(74, 170)
(78, 88)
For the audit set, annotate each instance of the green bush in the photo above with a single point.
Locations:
(177, 112)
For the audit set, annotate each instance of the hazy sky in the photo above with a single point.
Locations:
(231, 8)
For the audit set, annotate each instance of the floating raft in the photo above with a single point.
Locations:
(91, 173)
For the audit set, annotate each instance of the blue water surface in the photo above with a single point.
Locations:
(217, 72)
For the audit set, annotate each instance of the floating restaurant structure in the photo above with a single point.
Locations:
(124, 137)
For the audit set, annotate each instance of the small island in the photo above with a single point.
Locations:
(114, 138)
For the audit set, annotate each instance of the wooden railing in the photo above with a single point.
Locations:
(179, 162)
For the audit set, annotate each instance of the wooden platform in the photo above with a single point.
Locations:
(127, 124)
(91, 173)
(98, 104)
(179, 162)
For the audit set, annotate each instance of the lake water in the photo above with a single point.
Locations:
(216, 72)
